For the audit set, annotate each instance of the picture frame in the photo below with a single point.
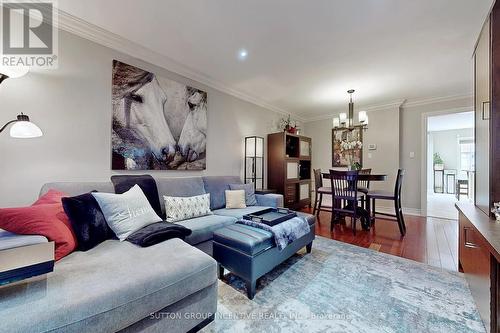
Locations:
(339, 158)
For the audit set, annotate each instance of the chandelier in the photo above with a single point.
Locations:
(346, 120)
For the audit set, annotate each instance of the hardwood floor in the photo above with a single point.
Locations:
(428, 240)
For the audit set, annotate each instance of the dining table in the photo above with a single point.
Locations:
(378, 177)
(366, 219)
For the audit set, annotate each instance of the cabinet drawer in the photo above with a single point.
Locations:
(290, 190)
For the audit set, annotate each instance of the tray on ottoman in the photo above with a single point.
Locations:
(271, 216)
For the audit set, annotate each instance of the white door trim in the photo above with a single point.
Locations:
(423, 166)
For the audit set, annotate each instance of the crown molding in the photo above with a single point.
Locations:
(94, 33)
(389, 105)
(434, 100)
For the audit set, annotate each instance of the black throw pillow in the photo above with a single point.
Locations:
(158, 232)
(87, 220)
(123, 183)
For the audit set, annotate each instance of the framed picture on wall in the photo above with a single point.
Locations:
(346, 157)
(158, 123)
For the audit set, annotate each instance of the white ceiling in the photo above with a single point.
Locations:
(451, 121)
(303, 55)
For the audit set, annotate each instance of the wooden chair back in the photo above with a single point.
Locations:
(364, 183)
(344, 185)
(318, 179)
(399, 184)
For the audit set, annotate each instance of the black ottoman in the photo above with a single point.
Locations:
(250, 252)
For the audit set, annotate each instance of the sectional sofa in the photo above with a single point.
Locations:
(168, 287)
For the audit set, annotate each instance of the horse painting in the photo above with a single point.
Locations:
(158, 124)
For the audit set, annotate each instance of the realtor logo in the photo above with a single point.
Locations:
(29, 33)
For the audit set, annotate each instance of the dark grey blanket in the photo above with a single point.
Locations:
(284, 233)
(158, 232)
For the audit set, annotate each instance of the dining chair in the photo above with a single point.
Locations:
(393, 196)
(345, 196)
(320, 190)
(364, 185)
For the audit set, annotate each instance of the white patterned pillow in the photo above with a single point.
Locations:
(183, 208)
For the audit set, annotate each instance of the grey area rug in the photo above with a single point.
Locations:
(345, 288)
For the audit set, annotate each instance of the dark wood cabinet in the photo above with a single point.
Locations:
(289, 168)
(474, 259)
(478, 258)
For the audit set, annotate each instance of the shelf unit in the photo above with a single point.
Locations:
(289, 168)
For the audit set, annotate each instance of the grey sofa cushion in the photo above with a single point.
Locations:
(203, 227)
(107, 288)
(179, 187)
(216, 186)
(250, 198)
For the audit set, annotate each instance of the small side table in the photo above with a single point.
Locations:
(21, 262)
(265, 191)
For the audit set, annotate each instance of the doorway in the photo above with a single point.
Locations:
(450, 163)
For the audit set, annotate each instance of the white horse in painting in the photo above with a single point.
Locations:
(186, 114)
(193, 140)
(140, 130)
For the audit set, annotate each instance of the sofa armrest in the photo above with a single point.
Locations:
(270, 200)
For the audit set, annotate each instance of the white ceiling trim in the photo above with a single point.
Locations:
(401, 103)
(433, 100)
(106, 38)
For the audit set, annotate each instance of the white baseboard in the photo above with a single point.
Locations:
(406, 210)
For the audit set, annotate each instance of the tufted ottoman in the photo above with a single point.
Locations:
(250, 252)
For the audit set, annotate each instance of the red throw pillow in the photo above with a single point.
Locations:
(48, 220)
(51, 197)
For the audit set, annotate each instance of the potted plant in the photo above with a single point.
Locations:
(286, 125)
(496, 210)
(438, 162)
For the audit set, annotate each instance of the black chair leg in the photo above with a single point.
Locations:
(315, 203)
(354, 218)
(373, 212)
(402, 216)
(318, 209)
(399, 217)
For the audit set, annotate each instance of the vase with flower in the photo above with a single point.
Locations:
(349, 148)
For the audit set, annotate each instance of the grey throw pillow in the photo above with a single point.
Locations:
(250, 198)
(126, 213)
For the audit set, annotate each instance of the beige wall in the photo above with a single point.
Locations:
(72, 105)
(412, 138)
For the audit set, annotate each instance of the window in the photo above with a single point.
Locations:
(466, 154)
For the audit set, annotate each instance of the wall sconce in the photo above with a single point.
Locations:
(23, 128)
(12, 72)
